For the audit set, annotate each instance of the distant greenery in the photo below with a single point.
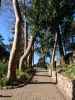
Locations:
(42, 66)
(67, 70)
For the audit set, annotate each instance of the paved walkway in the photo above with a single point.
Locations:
(41, 88)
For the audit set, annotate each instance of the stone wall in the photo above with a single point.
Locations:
(65, 85)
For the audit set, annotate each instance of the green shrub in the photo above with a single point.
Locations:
(70, 71)
(3, 82)
(67, 70)
(19, 73)
(3, 69)
(24, 75)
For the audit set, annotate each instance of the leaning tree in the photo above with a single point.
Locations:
(11, 75)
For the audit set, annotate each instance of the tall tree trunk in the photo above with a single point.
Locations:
(26, 41)
(61, 45)
(30, 58)
(11, 74)
(26, 35)
(33, 54)
(26, 53)
(53, 54)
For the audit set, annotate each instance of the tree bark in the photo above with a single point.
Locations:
(26, 53)
(30, 58)
(11, 74)
(53, 54)
(25, 42)
(61, 45)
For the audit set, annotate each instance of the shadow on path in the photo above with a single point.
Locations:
(5, 96)
(73, 88)
(37, 82)
(41, 71)
(42, 75)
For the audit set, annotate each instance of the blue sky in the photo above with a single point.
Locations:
(5, 23)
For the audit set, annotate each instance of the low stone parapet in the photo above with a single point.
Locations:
(65, 85)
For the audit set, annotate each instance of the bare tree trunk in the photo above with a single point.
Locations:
(11, 74)
(25, 42)
(61, 45)
(53, 55)
(33, 55)
(30, 58)
(26, 53)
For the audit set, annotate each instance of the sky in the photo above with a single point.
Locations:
(6, 18)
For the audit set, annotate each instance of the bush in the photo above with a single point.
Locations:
(24, 75)
(67, 70)
(70, 71)
(3, 82)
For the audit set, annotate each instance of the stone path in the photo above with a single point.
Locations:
(41, 88)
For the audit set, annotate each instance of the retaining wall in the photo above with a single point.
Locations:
(65, 85)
